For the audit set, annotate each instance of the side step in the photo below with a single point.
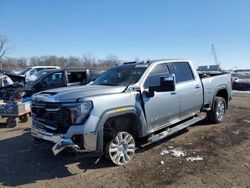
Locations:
(175, 129)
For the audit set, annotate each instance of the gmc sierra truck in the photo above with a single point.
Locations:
(133, 101)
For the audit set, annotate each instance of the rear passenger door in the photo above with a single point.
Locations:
(189, 89)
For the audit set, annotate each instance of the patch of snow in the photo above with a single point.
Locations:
(161, 162)
(177, 153)
(236, 132)
(170, 147)
(237, 91)
(197, 158)
(247, 121)
(164, 151)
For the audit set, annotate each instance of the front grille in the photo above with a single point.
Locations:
(50, 116)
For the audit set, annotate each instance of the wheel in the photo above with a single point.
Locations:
(217, 114)
(120, 150)
(11, 122)
(23, 118)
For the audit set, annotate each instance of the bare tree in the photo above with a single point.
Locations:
(3, 48)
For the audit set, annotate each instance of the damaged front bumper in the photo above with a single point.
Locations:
(62, 141)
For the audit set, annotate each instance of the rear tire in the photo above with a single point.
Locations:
(217, 114)
(120, 150)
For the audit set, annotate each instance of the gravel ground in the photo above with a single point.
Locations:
(220, 154)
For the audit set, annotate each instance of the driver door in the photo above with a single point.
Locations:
(162, 107)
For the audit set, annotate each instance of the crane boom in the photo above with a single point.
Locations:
(213, 52)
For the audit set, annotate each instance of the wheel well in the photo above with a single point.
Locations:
(224, 94)
(128, 123)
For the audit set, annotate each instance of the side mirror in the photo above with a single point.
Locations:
(167, 83)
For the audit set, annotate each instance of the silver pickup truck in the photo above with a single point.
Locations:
(133, 101)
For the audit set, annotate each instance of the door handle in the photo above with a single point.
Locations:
(173, 93)
(197, 86)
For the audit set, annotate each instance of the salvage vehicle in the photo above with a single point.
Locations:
(49, 79)
(8, 88)
(5, 80)
(10, 102)
(126, 104)
(14, 77)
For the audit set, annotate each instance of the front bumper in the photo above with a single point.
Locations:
(64, 141)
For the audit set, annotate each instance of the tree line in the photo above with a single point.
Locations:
(85, 62)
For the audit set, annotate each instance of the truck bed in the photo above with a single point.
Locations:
(211, 83)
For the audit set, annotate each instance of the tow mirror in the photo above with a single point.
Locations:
(167, 83)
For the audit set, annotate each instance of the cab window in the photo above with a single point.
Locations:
(155, 75)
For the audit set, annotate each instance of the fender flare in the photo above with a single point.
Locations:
(219, 88)
(126, 110)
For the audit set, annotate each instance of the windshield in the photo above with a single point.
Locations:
(24, 71)
(120, 76)
(36, 76)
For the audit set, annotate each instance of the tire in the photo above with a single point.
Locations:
(217, 114)
(11, 122)
(120, 150)
(23, 118)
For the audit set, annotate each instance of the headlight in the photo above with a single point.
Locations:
(79, 112)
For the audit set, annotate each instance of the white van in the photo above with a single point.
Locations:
(28, 72)
(32, 70)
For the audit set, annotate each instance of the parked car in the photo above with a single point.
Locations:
(148, 100)
(49, 79)
(32, 70)
(241, 80)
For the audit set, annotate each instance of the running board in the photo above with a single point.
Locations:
(175, 129)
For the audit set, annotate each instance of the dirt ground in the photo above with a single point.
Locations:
(224, 148)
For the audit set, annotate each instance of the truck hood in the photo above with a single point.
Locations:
(73, 93)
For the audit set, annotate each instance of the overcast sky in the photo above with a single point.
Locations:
(130, 29)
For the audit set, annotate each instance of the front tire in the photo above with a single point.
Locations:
(23, 118)
(217, 114)
(120, 150)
